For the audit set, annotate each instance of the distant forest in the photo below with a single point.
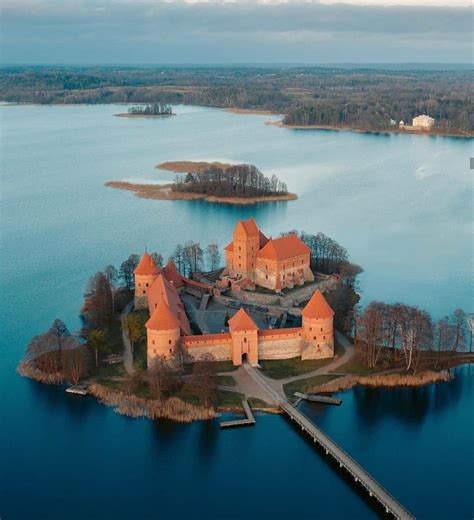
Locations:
(360, 98)
(241, 180)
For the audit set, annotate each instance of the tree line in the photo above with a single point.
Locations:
(362, 98)
(241, 180)
(403, 335)
(153, 109)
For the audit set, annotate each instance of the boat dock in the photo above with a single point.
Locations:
(77, 389)
(248, 421)
(319, 398)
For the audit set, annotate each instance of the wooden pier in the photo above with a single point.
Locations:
(77, 389)
(333, 450)
(248, 421)
(319, 398)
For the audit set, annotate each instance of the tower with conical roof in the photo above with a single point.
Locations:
(163, 333)
(244, 333)
(145, 273)
(318, 330)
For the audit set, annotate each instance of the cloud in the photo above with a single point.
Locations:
(185, 31)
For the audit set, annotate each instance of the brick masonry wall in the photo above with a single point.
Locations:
(221, 351)
(280, 347)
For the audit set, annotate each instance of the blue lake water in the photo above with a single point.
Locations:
(400, 204)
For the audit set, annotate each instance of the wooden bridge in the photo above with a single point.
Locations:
(333, 450)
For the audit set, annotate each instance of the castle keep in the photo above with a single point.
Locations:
(272, 263)
(278, 261)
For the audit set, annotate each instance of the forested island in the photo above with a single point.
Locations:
(151, 110)
(214, 182)
(367, 99)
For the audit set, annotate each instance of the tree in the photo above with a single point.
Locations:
(459, 325)
(59, 332)
(126, 272)
(193, 257)
(202, 380)
(178, 258)
(135, 328)
(73, 361)
(97, 311)
(112, 276)
(213, 256)
(162, 378)
(470, 324)
(158, 259)
(97, 340)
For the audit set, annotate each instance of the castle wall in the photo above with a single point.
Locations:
(279, 344)
(219, 346)
(319, 338)
(142, 285)
(161, 343)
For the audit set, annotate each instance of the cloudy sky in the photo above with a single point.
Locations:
(241, 31)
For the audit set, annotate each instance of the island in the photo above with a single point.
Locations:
(213, 182)
(152, 110)
(278, 322)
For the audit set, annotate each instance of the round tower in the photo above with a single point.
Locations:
(145, 273)
(318, 331)
(163, 333)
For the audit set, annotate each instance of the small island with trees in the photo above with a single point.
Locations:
(213, 182)
(151, 110)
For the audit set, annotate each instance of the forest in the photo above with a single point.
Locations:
(370, 99)
(241, 180)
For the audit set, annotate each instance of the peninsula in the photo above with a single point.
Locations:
(213, 182)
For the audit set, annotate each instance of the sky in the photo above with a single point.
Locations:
(142, 32)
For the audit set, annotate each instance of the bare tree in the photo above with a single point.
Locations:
(213, 256)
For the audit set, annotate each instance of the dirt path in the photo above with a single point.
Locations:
(127, 346)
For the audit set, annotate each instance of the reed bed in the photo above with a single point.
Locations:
(27, 368)
(133, 406)
(382, 380)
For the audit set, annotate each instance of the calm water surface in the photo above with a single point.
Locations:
(402, 205)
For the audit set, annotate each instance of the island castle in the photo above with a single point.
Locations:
(168, 327)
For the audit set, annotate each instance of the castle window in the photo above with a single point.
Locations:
(154, 351)
(321, 329)
(171, 351)
(324, 337)
(144, 292)
(147, 284)
(240, 249)
(152, 341)
(169, 343)
(266, 276)
(314, 337)
(310, 329)
(302, 261)
(245, 340)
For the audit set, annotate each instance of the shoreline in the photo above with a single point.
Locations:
(335, 128)
(191, 166)
(152, 116)
(165, 192)
(250, 111)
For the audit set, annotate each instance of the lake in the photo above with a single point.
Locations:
(400, 204)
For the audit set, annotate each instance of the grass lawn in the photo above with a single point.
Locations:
(225, 380)
(254, 402)
(219, 366)
(139, 355)
(224, 398)
(108, 371)
(303, 384)
(281, 368)
(114, 338)
(355, 366)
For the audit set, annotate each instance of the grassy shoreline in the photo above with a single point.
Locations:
(165, 192)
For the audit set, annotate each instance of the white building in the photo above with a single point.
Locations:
(423, 121)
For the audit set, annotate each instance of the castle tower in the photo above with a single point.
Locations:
(244, 334)
(163, 333)
(246, 244)
(145, 274)
(318, 332)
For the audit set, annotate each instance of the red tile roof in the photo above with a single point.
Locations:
(241, 321)
(162, 318)
(146, 266)
(317, 307)
(283, 248)
(249, 227)
(172, 275)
